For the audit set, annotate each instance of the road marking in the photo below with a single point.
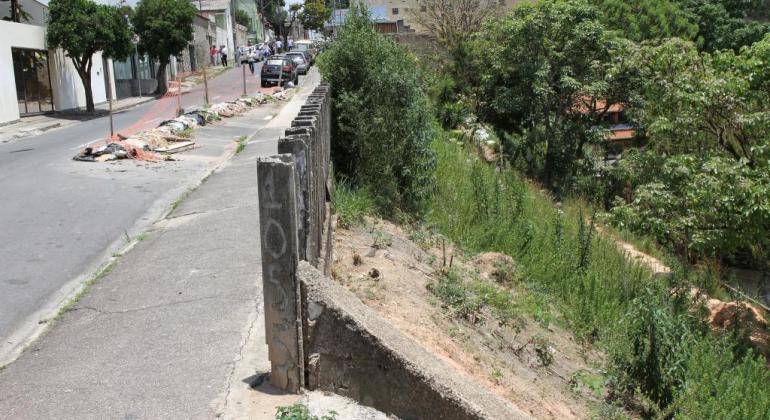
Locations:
(88, 143)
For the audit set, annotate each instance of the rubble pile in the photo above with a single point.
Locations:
(169, 136)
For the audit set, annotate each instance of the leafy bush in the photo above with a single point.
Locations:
(383, 122)
(653, 352)
(700, 206)
(717, 385)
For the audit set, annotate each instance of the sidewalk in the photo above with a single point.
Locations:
(37, 124)
(174, 329)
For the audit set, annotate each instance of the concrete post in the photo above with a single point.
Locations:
(278, 231)
(296, 147)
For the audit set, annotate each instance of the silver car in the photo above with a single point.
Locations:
(299, 59)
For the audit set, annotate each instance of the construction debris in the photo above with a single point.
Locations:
(165, 139)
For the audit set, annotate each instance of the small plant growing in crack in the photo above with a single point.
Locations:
(242, 141)
(301, 412)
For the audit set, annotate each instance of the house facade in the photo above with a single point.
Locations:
(39, 79)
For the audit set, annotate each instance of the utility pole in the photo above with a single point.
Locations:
(205, 86)
(109, 93)
(243, 68)
(178, 95)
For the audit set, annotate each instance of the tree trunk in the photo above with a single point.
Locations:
(15, 11)
(89, 94)
(161, 76)
(84, 71)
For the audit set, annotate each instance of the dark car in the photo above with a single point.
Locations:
(300, 60)
(279, 69)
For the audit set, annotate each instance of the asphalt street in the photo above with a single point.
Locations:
(61, 219)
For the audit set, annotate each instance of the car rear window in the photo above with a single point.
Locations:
(275, 62)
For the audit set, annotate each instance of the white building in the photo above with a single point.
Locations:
(38, 80)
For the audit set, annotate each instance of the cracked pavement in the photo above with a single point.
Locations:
(175, 330)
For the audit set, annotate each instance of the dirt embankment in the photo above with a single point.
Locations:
(535, 364)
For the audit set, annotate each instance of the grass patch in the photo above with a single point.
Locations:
(242, 142)
(301, 412)
(658, 349)
(466, 296)
(186, 133)
(351, 204)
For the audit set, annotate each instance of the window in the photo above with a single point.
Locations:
(394, 11)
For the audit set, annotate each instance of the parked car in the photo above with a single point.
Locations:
(307, 57)
(306, 45)
(300, 59)
(279, 69)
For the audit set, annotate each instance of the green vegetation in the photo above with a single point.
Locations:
(383, 123)
(727, 24)
(351, 204)
(700, 186)
(466, 299)
(657, 347)
(242, 18)
(300, 412)
(314, 15)
(82, 28)
(242, 142)
(640, 20)
(537, 83)
(185, 133)
(543, 79)
(165, 29)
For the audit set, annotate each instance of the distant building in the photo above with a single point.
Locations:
(397, 16)
(621, 135)
(222, 15)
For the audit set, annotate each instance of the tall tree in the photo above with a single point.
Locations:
(640, 20)
(549, 73)
(713, 103)
(314, 15)
(452, 21)
(82, 28)
(725, 24)
(165, 29)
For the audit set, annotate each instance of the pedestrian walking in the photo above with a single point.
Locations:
(278, 45)
(213, 53)
(223, 53)
(289, 44)
(252, 58)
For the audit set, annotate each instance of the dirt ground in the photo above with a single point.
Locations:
(536, 366)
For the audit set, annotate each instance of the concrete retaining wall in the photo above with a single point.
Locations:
(319, 335)
(350, 351)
